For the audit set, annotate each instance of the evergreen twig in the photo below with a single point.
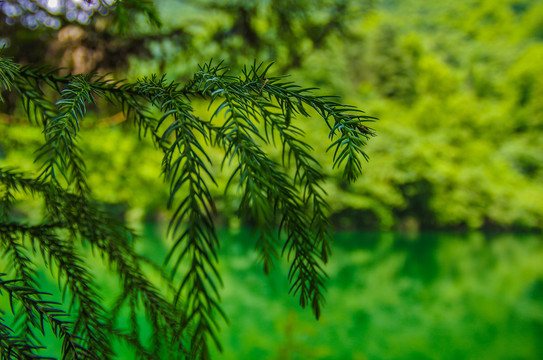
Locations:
(287, 206)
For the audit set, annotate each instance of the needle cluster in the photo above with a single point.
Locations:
(284, 197)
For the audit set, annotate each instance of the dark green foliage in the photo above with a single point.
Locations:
(393, 76)
(124, 14)
(288, 25)
(289, 211)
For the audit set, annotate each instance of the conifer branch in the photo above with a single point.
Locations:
(184, 166)
(277, 118)
(60, 151)
(87, 221)
(92, 224)
(42, 310)
(8, 72)
(90, 323)
(23, 270)
(14, 347)
(263, 181)
(258, 109)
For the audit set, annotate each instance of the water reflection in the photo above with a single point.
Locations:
(392, 296)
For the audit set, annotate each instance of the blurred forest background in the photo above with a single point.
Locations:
(457, 86)
(458, 90)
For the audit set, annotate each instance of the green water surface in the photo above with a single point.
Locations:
(390, 296)
(393, 296)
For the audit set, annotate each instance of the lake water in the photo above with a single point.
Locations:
(392, 296)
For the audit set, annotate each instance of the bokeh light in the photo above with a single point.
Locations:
(51, 13)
